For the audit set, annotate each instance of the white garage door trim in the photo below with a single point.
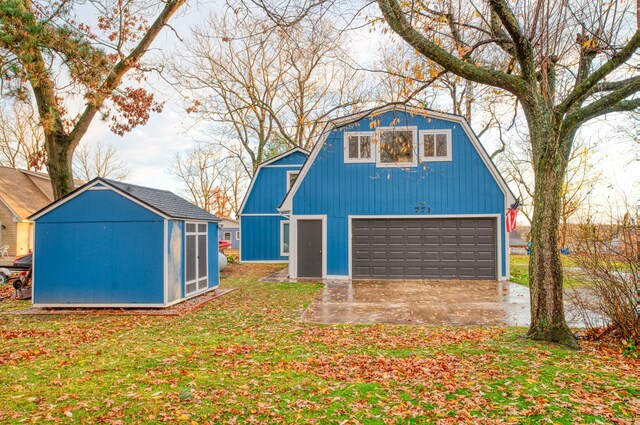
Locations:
(499, 276)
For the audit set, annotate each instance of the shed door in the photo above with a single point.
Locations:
(196, 258)
(424, 248)
(309, 248)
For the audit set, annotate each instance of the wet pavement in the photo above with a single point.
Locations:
(480, 303)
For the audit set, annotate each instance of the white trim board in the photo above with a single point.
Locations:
(498, 217)
(349, 119)
(293, 243)
(265, 164)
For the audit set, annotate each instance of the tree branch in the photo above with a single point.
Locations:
(613, 102)
(611, 65)
(523, 49)
(115, 76)
(397, 21)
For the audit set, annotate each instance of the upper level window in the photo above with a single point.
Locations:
(435, 145)
(397, 146)
(291, 178)
(357, 146)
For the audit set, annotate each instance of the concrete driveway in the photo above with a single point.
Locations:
(482, 303)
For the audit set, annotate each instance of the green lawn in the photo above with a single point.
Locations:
(520, 271)
(247, 358)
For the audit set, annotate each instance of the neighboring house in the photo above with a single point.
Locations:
(22, 193)
(397, 193)
(112, 244)
(517, 245)
(230, 232)
(264, 232)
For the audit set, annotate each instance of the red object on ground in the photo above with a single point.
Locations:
(223, 244)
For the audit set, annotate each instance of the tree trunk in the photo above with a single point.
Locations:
(59, 160)
(545, 269)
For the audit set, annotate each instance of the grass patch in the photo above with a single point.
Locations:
(519, 269)
(247, 358)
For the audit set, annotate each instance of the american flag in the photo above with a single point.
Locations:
(512, 215)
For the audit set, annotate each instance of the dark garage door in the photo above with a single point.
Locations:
(424, 248)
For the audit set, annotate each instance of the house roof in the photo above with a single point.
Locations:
(24, 192)
(164, 202)
(340, 122)
(228, 222)
(266, 164)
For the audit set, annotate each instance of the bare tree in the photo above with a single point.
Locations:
(21, 138)
(265, 86)
(98, 160)
(200, 170)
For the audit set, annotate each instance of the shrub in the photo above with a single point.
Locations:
(607, 256)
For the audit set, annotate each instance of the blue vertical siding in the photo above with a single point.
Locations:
(98, 205)
(294, 158)
(260, 231)
(463, 185)
(99, 248)
(261, 238)
(268, 191)
(212, 250)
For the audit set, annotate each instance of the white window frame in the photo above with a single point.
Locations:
(206, 253)
(372, 152)
(224, 236)
(282, 223)
(238, 235)
(289, 172)
(414, 135)
(423, 157)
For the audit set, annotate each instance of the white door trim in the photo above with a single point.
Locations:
(293, 243)
(198, 278)
(499, 276)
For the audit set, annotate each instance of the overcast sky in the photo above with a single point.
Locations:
(149, 151)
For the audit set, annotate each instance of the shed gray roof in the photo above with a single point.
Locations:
(164, 201)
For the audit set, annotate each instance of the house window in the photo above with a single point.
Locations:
(397, 146)
(238, 236)
(291, 178)
(284, 238)
(357, 146)
(226, 236)
(435, 145)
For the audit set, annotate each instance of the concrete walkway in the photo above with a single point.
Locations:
(480, 303)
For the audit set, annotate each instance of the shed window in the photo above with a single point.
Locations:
(357, 146)
(226, 236)
(397, 146)
(435, 145)
(284, 238)
(291, 178)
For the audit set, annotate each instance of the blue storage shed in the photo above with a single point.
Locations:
(264, 231)
(398, 193)
(113, 244)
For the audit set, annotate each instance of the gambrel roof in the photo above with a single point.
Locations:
(353, 118)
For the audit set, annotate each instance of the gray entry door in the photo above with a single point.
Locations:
(309, 248)
(424, 248)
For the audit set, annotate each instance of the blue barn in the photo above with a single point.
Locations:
(264, 231)
(398, 193)
(113, 244)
